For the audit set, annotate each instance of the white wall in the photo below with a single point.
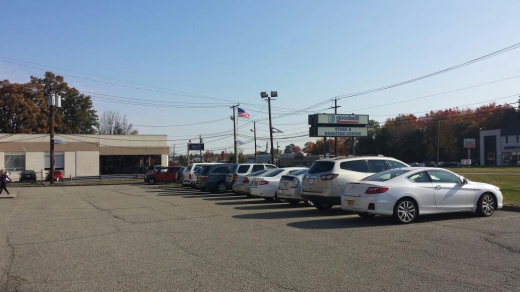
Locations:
(69, 164)
(164, 160)
(87, 163)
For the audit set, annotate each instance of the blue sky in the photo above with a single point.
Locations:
(229, 51)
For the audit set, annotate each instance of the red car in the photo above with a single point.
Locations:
(58, 175)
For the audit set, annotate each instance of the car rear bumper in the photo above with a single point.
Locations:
(377, 204)
(294, 194)
(241, 189)
(322, 199)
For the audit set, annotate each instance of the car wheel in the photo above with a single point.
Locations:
(152, 181)
(221, 188)
(366, 215)
(405, 211)
(293, 202)
(486, 205)
(249, 195)
(322, 206)
(308, 203)
(269, 199)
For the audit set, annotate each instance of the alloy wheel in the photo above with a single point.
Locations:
(406, 211)
(488, 204)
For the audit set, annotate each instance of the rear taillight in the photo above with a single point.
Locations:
(375, 190)
(328, 176)
(190, 176)
(235, 176)
(246, 180)
(204, 177)
(263, 182)
(295, 183)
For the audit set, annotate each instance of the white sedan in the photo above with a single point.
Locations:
(267, 185)
(404, 193)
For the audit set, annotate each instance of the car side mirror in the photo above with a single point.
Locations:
(464, 181)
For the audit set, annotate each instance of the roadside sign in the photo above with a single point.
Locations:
(341, 131)
(195, 146)
(469, 143)
(342, 119)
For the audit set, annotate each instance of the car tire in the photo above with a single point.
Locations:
(269, 199)
(486, 205)
(221, 188)
(366, 215)
(405, 211)
(293, 202)
(249, 195)
(152, 181)
(322, 206)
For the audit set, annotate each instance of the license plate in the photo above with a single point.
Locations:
(350, 202)
(311, 181)
(255, 183)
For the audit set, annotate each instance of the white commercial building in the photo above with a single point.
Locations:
(500, 147)
(83, 155)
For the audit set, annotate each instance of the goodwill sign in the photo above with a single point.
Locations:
(343, 119)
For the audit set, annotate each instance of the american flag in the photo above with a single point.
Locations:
(243, 114)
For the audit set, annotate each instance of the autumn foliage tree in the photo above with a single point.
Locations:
(23, 107)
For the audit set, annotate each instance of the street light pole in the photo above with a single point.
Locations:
(335, 107)
(264, 94)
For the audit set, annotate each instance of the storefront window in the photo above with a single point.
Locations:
(14, 162)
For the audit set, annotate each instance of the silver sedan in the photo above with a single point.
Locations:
(404, 193)
(290, 188)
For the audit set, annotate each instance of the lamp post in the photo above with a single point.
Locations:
(264, 94)
(438, 140)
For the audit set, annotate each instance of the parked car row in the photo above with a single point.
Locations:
(367, 186)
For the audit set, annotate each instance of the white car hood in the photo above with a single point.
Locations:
(479, 185)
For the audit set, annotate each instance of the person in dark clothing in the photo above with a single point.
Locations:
(4, 178)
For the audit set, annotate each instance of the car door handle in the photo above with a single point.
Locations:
(438, 187)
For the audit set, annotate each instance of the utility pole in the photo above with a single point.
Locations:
(438, 139)
(51, 125)
(200, 149)
(234, 118)
(52, 101)
(254, 133)
(335, 107)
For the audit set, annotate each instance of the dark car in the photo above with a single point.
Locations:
(58, 175)
(213, 178)
(28, 175)
(163, 174)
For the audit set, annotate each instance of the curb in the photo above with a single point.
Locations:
(511, 208)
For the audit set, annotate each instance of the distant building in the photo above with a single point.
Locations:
(83, 155)
(500, 147)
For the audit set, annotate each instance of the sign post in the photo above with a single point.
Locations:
(469, 143)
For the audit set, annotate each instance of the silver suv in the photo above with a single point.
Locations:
(325, 180)
(245, 169)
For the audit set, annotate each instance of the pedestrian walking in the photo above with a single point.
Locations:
(4, 178)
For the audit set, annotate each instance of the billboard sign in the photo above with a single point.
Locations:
(342, 119)
(469, 143)
(195, 146)
(341, 131)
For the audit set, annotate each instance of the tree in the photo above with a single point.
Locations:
(76, 115)
(21, 108)
(113, 123)
(289, 148)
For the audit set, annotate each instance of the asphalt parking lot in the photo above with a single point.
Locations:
(142, 238)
